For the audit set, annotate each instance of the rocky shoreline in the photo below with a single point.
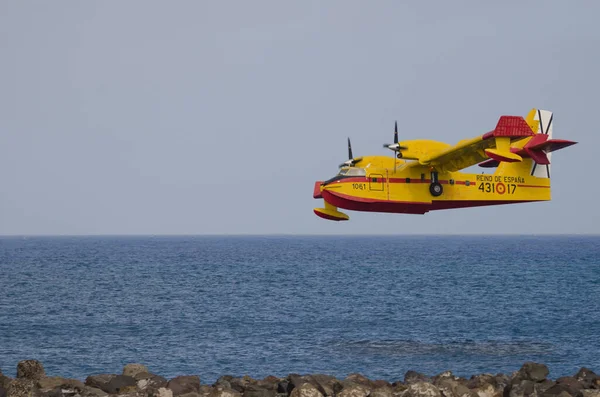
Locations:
(136, 381)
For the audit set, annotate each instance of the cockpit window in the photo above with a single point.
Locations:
(353, 171)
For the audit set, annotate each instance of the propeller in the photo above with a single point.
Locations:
(395, 147)
(351, 160)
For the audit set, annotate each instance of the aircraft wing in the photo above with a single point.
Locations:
(495, 144)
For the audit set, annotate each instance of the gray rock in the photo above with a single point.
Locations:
(422, 389)
(384, 391)
(559, 389)
(134, 369)
(415, 377)
(590, 393)
(451, 388)
(588, 378)
(150, 384)
(360, 380)
(257, 390)
(240, 384)
(219, 391)
(112, 384)
(296, 381)
(192, 394)
(22, 387)
(398, 389)
(205, 390)
(93, 392)
(520, 388)
(326, 384)
(184, 384)
(306, 390)
(533, 371)
(162, 392)
(49, 383)
(30, 369)
(574, 384)
(354, 390)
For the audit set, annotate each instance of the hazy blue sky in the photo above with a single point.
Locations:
(196, 117)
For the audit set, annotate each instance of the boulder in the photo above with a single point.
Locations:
(354, 390)
(590, 393)
(134, 369)
(422, 389)
(184, 384)
(48, 383)
(192, 394)
(151, 383)
(30, 369)
(328, 385)
(162, 392)
(296, 381)
(533, 371)
(306, 390)
(219, 391)
(451, 388)
(22, 387)
(360, 380)
(411, 377)
(559, 390)
(260, 390)
(240, 384)
(574, 384)
(519, 388)
(398, 389)
(112, 384)
(384, 391)
(588, 378)
(205, 390)
(93, 392)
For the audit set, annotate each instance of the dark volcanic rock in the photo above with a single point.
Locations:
(184, 384)
(30, 369)
(112, 384)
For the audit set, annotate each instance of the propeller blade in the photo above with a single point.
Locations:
(396, 132)
(350, 157)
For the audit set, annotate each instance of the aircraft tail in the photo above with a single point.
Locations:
(541, 122)
(537, 150)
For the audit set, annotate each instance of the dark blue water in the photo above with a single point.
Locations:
(276, 305)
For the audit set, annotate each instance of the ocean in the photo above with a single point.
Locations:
(274, 305)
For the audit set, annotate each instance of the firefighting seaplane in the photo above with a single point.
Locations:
(424, 175)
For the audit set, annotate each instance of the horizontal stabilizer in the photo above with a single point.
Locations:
(491, 163)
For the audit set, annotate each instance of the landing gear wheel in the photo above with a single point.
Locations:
(436, 189)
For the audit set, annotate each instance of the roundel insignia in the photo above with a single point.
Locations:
(500, 188)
